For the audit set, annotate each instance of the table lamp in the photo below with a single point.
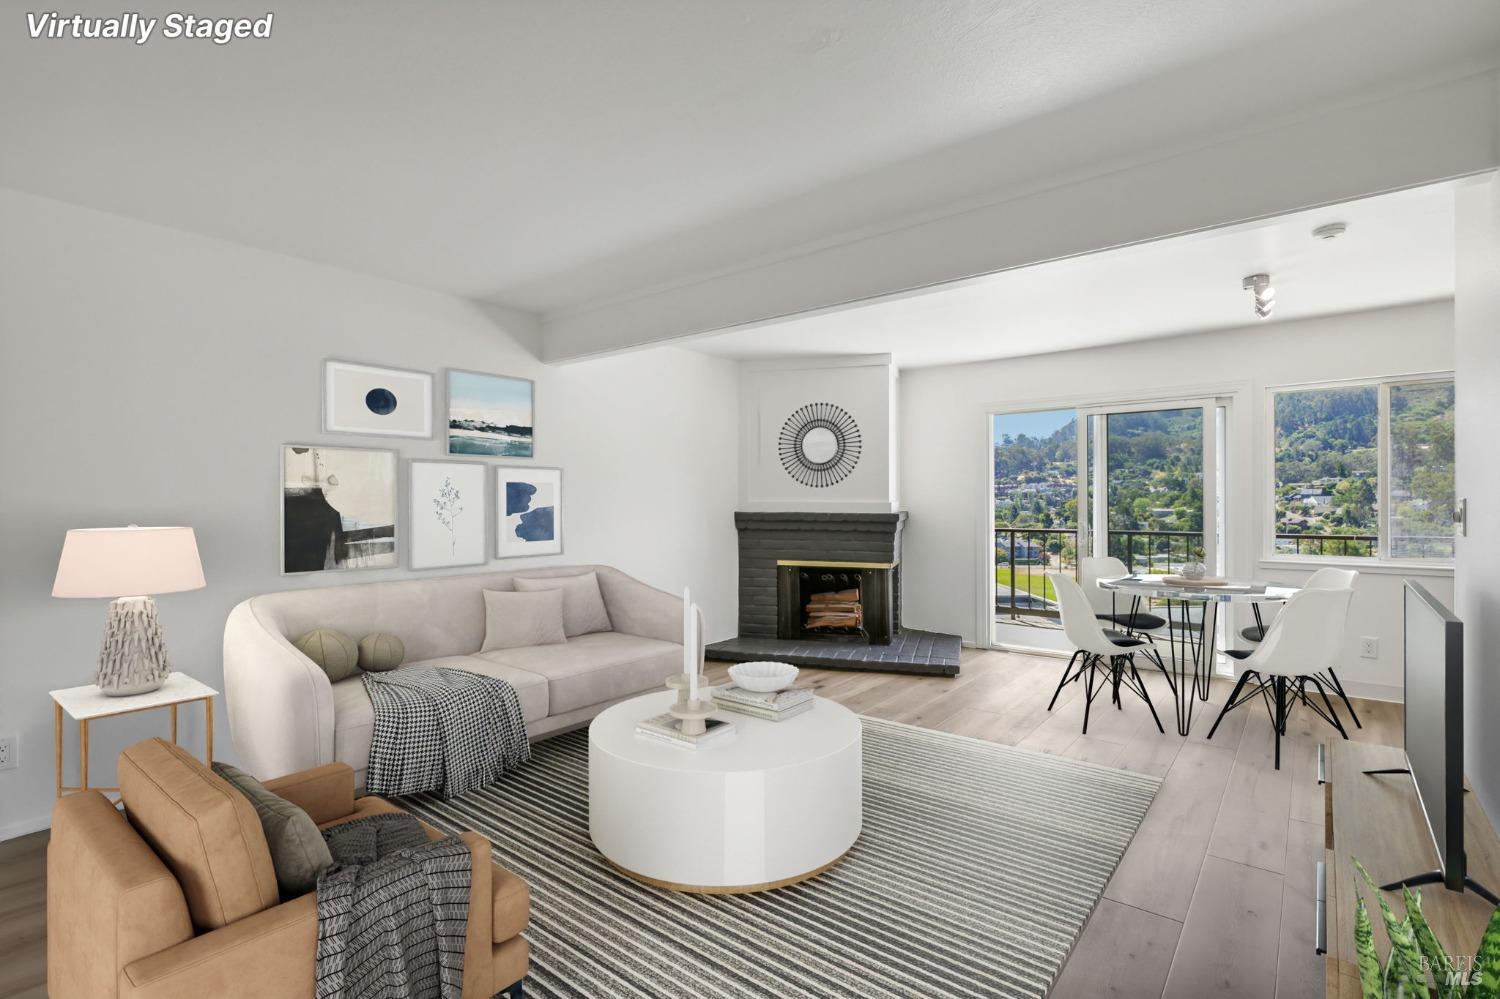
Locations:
(129, 564)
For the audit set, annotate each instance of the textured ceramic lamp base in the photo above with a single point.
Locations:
(133, 658)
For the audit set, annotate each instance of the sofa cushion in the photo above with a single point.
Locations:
(516, 620)
(354, 717)
(298, 852)
(582, 604)
(204, 830)
(592, 669)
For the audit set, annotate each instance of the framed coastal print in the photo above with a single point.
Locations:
(490, 415)
(529, 511)
(381, 402)
(338, 508)
(447, 516)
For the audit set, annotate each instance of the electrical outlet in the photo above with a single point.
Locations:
(8, 753)
(1369, 648)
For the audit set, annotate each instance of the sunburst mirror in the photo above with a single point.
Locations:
(819, 445)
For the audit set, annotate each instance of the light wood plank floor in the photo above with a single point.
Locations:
(1213, 897)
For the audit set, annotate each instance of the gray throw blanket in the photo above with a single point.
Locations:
(444, 730)
(393, 912)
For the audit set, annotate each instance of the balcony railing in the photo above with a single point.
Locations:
(1406, 546)
(1024, 556)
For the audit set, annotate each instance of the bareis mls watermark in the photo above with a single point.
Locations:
(140, 29)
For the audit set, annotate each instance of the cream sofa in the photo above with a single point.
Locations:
(286, 716)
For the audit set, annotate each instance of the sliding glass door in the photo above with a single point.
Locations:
(1141, 483)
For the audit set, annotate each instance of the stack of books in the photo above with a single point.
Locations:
(665, 728)
(777, 706)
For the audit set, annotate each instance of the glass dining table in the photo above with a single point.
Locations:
(1190, 666)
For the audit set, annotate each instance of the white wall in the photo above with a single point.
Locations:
(771, 391)
(149, 376)
(945, 472)
(1477, 364)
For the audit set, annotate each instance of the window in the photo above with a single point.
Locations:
(1364, 471)
(1422, 471)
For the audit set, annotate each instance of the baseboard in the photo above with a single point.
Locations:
(1374, 691)
(25, 827)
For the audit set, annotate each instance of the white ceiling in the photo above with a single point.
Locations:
(1398, 249)
(549, 155)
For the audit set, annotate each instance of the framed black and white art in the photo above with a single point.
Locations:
(449, 517)
(338, 508)
(381, 402)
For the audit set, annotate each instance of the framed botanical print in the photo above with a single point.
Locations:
(448, 517)
(380, 402)
(490, 415)
(338, 508)
(529, 511)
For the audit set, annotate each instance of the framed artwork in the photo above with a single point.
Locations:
(382, 402)
(490, 415)
(338, 508)
(529, 509)
(447, 515)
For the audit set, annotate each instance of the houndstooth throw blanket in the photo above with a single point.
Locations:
(393, 912)
(444, 730)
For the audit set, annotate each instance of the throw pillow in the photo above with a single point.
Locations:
(582, 603)
(333, 650)
(514, 620)
(380, 652)
(298, 852)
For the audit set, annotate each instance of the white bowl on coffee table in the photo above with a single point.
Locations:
(763, 677)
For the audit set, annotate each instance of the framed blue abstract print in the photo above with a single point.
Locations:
(529, 512)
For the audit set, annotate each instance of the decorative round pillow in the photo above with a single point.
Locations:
(380, 652)
(332, 650)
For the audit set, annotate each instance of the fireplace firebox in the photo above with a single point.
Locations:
(835, 601)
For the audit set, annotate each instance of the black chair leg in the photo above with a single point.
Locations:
(1278, 687)
(1068, 675)
(1338, 688)
(1088, 689)
(1229, 705)
(1145, 695)
(1333, 716)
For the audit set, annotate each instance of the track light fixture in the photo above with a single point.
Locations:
(1265, 295)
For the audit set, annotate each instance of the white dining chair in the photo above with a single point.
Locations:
(1301, 644)
(1104, 658)
(1119, 610)
(1326, 578)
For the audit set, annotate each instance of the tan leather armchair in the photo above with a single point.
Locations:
(176, 898)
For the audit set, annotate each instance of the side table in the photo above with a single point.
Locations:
(84, 704)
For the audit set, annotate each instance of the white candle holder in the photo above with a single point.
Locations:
(680, 682)
(693, 715)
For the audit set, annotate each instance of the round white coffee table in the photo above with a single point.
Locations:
(777, 803)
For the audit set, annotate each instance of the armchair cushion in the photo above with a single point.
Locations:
(298, 852)
(325, 793)
(205, 831)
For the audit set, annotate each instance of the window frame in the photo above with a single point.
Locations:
(1382, 558)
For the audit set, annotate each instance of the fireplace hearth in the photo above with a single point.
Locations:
(824, 589)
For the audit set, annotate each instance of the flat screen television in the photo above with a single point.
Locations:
(1433, 653)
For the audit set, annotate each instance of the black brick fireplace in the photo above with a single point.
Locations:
(824, 589)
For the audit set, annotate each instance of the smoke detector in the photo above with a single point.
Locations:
(1265, 295)
(1333, 230)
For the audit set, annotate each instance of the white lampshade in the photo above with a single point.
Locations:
(127, 562)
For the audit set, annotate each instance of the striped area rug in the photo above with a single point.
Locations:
(976, 870)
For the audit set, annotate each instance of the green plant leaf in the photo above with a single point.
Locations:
(1403, 972)
(1437, 958)
(1370, 977)
(1485, 983)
